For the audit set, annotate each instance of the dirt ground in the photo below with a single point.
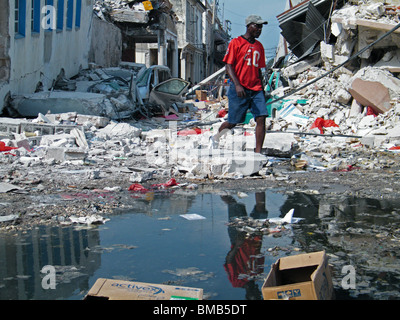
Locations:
(49, 194)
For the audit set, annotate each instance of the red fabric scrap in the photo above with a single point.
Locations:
(3, 147)
(348, 169)
(371, 112)
(170, 183)
(139, 188)
(321, 123)
(222, 113)
(187, 132)
(395, 148)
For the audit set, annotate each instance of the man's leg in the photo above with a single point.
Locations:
(224, 128)
(260, 133)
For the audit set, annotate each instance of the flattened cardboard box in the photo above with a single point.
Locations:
(299, 277)
(110, 289)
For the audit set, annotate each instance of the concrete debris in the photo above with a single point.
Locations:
(355, 107)
(8, 218)
(88, 220)
(8, 187)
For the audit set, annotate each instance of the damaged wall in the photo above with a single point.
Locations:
(4, 44)
(191, 37)
(105, 51)
(38, 55)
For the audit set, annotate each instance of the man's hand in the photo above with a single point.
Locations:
(239, 88)
(240, 91)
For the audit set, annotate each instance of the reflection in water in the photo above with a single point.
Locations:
(244, 261)
(152, 237)
(24, 255)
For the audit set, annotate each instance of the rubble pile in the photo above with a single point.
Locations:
(339, 122)
(134, 11)
(95, 91)
(357, 106)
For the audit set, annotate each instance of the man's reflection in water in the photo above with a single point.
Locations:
(243, 261)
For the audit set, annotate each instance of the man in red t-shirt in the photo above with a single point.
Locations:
(244, 60)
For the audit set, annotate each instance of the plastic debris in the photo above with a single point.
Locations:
(192, 216)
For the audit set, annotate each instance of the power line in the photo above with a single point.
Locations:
(239, 15)
(337, 67)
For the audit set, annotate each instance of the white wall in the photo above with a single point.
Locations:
(41, 56)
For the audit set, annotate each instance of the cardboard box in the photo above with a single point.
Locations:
(201, 95)
(110, 289)
(299, 277)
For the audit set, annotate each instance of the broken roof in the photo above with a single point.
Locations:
(304, 25)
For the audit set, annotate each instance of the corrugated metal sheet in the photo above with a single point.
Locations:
(304, 25)
(298, 10)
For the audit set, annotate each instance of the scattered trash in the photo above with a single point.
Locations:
(191, 273)
(192, 216)
(136, 187)
(287, 219)
(321, 123)
(299, 277)
(89, 220)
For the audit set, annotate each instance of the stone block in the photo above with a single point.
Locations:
(372, 94)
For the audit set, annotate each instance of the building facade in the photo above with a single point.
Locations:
(41, 39)
(199, 38)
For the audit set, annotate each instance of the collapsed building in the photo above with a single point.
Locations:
(350, 77)
(42, 43)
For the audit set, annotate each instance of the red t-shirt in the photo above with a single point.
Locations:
(247, 262)
(247, 59)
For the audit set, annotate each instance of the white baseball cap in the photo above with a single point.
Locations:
(255, 19)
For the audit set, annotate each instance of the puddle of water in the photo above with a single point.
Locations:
(154, 243)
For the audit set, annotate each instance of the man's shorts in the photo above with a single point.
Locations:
(254, 100)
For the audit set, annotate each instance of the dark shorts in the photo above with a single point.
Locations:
(254, 100)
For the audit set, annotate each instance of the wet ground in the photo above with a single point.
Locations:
(354, 216)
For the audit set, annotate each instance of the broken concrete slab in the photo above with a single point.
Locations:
(218, 162)
(59, 102)
(57, 140)
(78, 119)
(7, 187)
(128, 15)
(10, 217)
(371, 93)
(65, 154)
(114, 129)
(80, 138)
(280, 144)
(390, 61)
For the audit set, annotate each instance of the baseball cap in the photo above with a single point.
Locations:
(255, 19)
